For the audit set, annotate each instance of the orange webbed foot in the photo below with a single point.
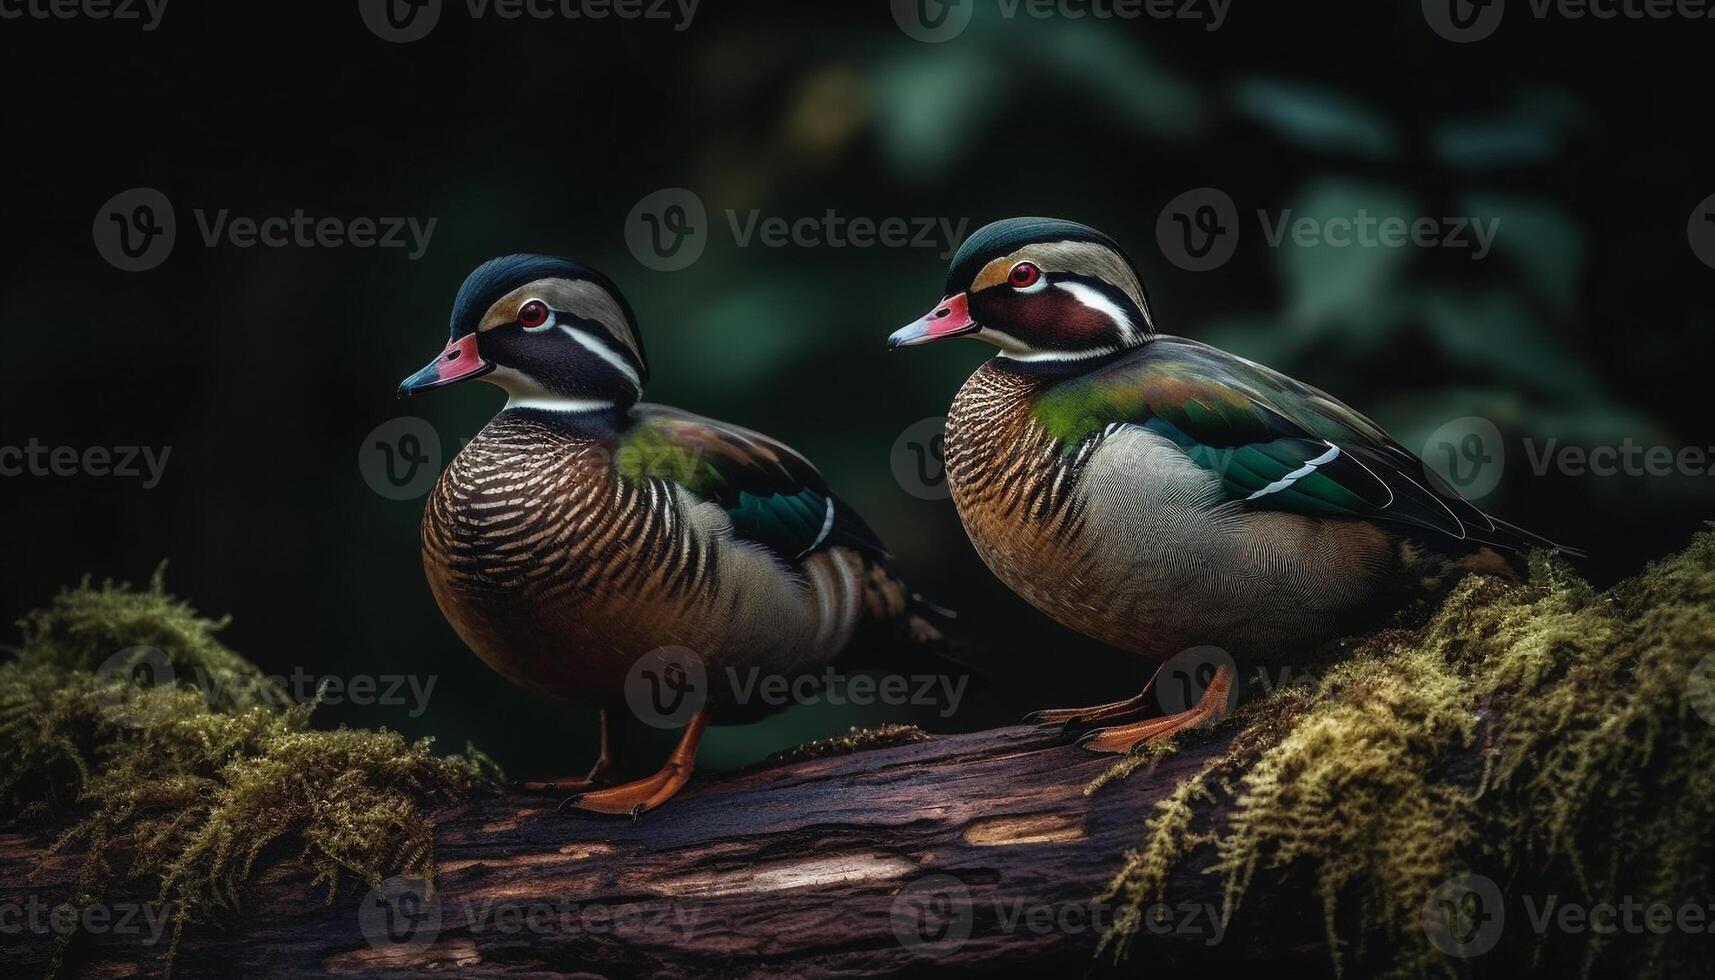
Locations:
(1211, 708)
(1084, 716)
(640, 796)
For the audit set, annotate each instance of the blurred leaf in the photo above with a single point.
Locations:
(1353, 287)
(1530, 131)
(1109, 68)
(1545, 240)
(1315, 117)
(1494, 332)
(930, 107)
(931, 102)
(742, 336)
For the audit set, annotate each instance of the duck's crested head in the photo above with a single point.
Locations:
(1040, 289)
(554, 332)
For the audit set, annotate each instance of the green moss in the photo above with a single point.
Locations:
(1597, 779)
(86, 628)
(186, 784)
(855, 740)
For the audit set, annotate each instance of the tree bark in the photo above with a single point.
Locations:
(830, 867)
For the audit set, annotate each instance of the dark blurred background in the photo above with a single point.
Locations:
(265, 368)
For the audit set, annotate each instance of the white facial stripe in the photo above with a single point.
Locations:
(1012, 347)
(1298, 474)
(583, 299)
(601, 350)
(1089, 259)
(1096, 300)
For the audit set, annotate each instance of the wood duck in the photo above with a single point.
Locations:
(581, 530)
(1159, 494)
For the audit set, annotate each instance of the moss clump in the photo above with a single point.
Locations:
(93, 629)
(187, 782)
(1596, 779)
(855, 740)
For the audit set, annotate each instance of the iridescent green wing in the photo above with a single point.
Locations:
(774, 496)
(1273, 443)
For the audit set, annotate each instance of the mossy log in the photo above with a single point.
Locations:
(1426, 803)
(810, 869)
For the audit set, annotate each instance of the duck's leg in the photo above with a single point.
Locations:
(1113, 711)
(646, 794)
(1211, 708)
(598, 772)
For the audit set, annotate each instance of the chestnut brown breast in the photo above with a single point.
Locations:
(558, 573)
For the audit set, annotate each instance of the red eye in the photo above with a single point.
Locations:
(1023, 275)
(533, 313)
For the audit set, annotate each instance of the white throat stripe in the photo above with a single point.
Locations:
(552, 404)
